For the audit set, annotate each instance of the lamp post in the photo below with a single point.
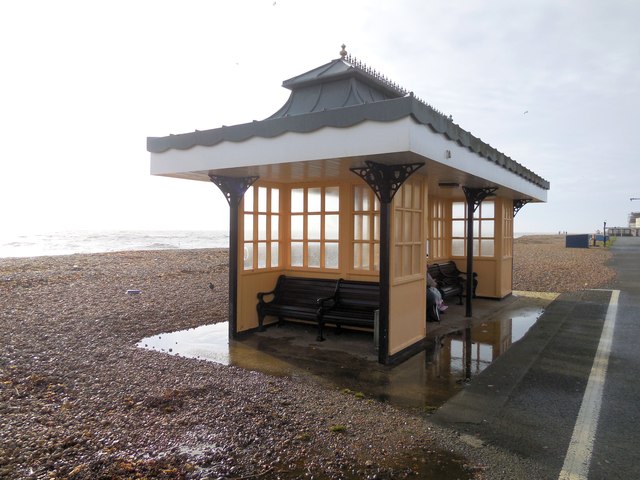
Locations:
(604, 234)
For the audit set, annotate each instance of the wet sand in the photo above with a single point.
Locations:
(78, 399)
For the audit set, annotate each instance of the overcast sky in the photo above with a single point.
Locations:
(553, 84)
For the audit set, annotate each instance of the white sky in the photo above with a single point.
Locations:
(83, 83)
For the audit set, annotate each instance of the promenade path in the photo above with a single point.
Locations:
(565, 398)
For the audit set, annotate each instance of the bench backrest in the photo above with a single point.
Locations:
(359, 295)
(302, 291)
(449, 268)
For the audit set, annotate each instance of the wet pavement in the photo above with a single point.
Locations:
(458, 349)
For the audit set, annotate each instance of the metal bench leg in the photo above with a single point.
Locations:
(320, 337)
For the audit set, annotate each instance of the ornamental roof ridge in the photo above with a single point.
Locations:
(371, 72)
(364, 68)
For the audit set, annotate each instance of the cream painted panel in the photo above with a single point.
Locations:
(487, 276)
(407, 309)
(506, 280)
(248, 287)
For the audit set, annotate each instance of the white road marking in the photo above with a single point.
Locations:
(578, 458)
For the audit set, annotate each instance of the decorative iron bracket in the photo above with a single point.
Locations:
(233, 188)
(518, 204)
(385, 180)
(477, 195)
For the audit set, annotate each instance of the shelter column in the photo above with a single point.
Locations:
(233, 189)
(385, 181)
(474, 197)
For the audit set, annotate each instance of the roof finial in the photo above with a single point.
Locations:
(343, 52)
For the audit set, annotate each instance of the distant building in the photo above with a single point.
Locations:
(633, 230)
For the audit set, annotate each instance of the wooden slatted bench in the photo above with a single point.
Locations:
(448, 285)
(450, 270)
(296, 298)
(354, 304)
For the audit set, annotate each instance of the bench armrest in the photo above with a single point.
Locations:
(261, 295)
(327, 303)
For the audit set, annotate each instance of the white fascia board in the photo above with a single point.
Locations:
(434, 146)
(366, 138)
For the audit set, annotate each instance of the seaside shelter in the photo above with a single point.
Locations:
(356, 178)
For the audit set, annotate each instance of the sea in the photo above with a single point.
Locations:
(86, 241)
(96, 241)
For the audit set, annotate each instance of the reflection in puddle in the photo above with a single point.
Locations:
(347, 361)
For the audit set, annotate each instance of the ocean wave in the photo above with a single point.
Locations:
(67, 243)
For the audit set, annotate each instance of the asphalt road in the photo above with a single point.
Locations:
(529, 400)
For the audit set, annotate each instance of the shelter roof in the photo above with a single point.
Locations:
(341, 94)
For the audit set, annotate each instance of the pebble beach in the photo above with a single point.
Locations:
(79, 400)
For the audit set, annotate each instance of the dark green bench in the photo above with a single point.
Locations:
(296, 298)
(449, 285)
(354, 305)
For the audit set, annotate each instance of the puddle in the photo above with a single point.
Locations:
(348, 361)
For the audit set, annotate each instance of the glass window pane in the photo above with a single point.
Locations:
(458, 209)
(262, 199)
(275, 200)
(476, 228)
(275, 261)
(262, 227)
(366, 198)
(248, 226)
(376, 202)
(332, 199)
(248, 256)
(313, 254)
(487, 248)
(458, 228)
(357, 199)
(398, 262)
(297, 200)
(262, 255)
(313, 227)
(314, 200)
(488, 209)
(331, 256)
(366, 229)
(248, 200)
(376, 227)
(476, 247)
(398, 225)
(376, 256)
(457, 247)
(332, 227)
(357, 227)
(357, 256)
(297, 227)
(296, 254)
(275, 231)
(487, 228)
(365, 256)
